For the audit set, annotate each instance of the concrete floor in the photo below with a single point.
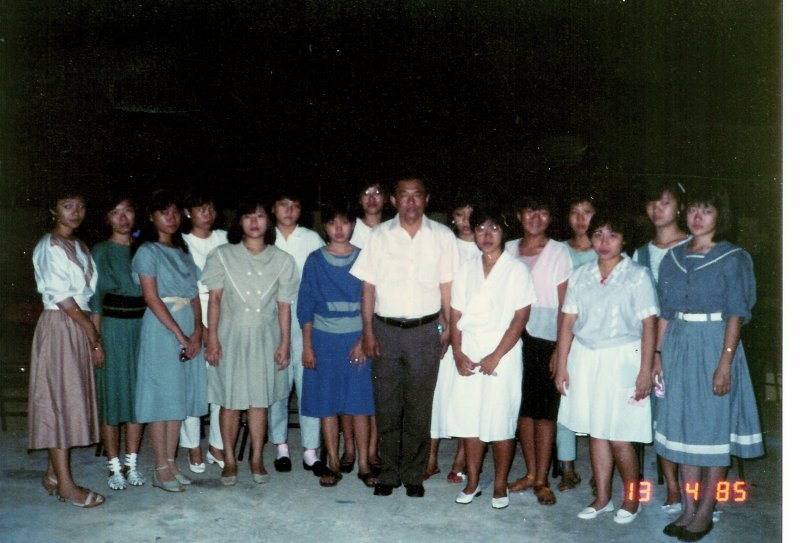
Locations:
(293, 507)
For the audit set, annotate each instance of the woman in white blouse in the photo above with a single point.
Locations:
(62, 408)
(605, 351)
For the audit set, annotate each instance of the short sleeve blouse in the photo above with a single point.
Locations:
(63, 269)
(721, 280)
(610, 313)
(174, 269)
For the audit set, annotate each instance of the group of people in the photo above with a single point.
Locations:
(396, 333)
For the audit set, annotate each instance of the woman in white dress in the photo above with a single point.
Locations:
(491, 302)
(467, 249)
(605, 355)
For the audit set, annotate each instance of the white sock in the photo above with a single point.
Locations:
(282, 450)
(310, 456)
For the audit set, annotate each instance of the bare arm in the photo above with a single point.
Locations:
(661, 327)
(721, 383)
(464, 365)
(444, 317)
(370, 344)
(562, 292)
(512, 334)
(160, 310)
(309, 356)
(563, 345)
(644, 381)
(74, 312)
(285, 322)
(213, 347)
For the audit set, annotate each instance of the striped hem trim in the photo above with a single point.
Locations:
(692, 449)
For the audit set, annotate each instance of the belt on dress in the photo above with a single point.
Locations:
(118, 306)
(698, 317)
(177, 302)
(408, 323)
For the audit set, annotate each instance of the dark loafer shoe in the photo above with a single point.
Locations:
(384, 490)
(695, 536)
(368, 479)
(673, 530)
(317, 467)
(283, 464)
(415, 491)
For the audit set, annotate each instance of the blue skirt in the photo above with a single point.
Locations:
(336, 387)
(694, 426)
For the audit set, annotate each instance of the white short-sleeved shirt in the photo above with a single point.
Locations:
(611, 313)
(199, 248)
(407, 271)
(553, 267)
(656, 255)
(300, 243)
(360, 233)
(64, 269)
(488, 303)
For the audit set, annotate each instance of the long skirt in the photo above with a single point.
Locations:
(62, 409)
(694, 426)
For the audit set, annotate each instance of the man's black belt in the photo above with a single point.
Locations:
(408, 323)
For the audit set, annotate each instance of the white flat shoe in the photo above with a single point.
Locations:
(211, 460)
(500, 503)
(464, 498)
(672, 508)
(589, 513)
(624, 517)
(196, 468)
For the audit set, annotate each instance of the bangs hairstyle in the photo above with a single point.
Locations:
(620, 224)
(654, 188)
(248, 207)
(494, 215)
(198, 198)
(535, 203)
(160, 200)
(330, 210)
(711, 196)
(65, 192)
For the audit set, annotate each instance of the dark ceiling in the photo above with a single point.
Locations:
(327, 94)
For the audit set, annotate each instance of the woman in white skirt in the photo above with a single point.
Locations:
(491, 302)
(605, 354)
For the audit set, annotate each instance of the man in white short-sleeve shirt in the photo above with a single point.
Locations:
(407, 268)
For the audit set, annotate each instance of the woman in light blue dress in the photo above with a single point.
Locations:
(171, 383)
(708, 413)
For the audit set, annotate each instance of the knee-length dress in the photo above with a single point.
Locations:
(249, 332)
(166, 388)
(118, 300)
(694, 426)
(330, 299)
(62, 409)
(467, 250)
(487, 406)
(605, 356)
(548, 269)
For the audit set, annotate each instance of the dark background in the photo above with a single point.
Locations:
(511, 96)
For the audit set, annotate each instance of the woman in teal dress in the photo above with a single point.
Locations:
(117, 309)
(171, 384)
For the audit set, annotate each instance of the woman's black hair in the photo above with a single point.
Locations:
(160, 200)
(535, 202)
(461, 200)
(654, 188)
(330, 210)
(491, 214)
(617, 222)
(64, 191)
(381, 187)
(248, 206)
(709, 195)
(198, 198)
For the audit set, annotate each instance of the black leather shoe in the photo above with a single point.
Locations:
(317, 467)
(283, 464)
(384, 490)
(415, 491)
(695, 536)
(673, 530)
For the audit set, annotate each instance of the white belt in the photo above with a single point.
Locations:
(698, 317)
(177, 302)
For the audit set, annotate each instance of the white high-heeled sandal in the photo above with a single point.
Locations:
(116, 480)
(135, 478)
